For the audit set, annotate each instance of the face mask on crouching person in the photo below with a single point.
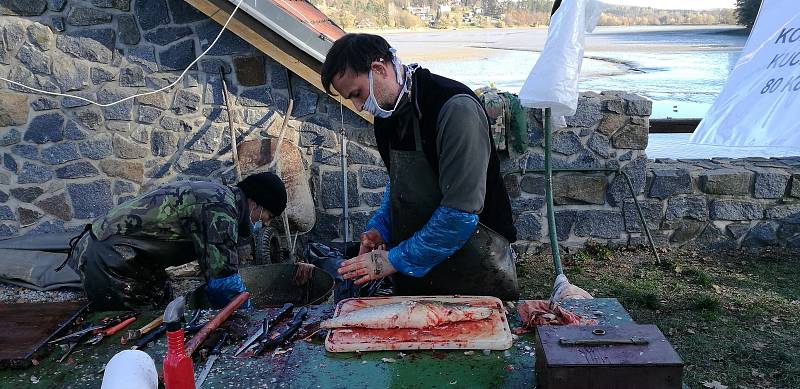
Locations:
(371, 104)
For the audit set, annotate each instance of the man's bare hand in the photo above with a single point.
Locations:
(367, 267)
(371, 240)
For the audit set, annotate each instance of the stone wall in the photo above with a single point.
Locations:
(65, 161)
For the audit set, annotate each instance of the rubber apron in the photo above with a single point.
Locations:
(484, 266)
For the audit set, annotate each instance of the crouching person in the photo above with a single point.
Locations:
(122, 257)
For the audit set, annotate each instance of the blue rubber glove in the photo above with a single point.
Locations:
(447, 231)
(220, 291)
(381, 220)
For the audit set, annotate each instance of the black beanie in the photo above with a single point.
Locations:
(267, 190)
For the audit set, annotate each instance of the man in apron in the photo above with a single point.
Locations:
(122, 257)
(445, 218)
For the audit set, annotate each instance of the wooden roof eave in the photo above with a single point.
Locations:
(270, 43)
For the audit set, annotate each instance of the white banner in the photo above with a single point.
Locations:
(759, 107)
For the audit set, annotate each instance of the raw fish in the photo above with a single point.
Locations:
(408, 314)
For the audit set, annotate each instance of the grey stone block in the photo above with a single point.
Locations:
(256, 97)
(600, 145)
(599, 224)
(163, 143)
(166, 35)
(151, 13)
(148, 114)
(6, 213)
(155, 100)
(372, 199)
(13, 109)
(652, 210)
(305, 98)
(669, 182)
(129, 170)
(202, 168)
(216, 115)
(174, 124)
(45, 128)
(736, 182)
(77, 170)
(686, 230)
(96, 45)
(631, 136)
(86, 16)
(145, 57)
(7, 230)
(178, 56)
(26, 151)
(9, 136)
(28, 217)
(206, 140)
(616, 105)
(566, 142)
(9, 163)
(761, 235)
(727, 209)
(128, 149)
(27, 195)
(694, 207)
(373, 178)
(511, 183)
(213, 90)
(526, 204)
(588, 114)
(58, 23)
(182, 12)
(315, 135)
(131, 76)
(120, 111)
(564, 222)
(43, 104)
(90, 200)
(98, 147)
(34, 59)
(579, 188)
(89, 118)
(619, 190)
(359, 155)
(228, 44)
(185, 102)
(332, 190)
(327, 157)
(327, 228)
(795, 186)
(60, 153)
(738, 230)
(100, 75)
(141, 135)
(21, 75)
(121, 187)
(638, 105)
(122, 5)
(782, 211)
(3, 196)
(770, 183)
(611, 123)
(32, 173)
(712, 238)
(533, 184)
(128, 29)
(528, 227)
(57, 5)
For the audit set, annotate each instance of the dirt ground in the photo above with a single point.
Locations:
(734, 317)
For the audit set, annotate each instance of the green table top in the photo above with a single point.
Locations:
(308, 365)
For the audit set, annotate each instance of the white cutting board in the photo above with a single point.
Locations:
(490, 334)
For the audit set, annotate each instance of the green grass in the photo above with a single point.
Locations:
(733, 317)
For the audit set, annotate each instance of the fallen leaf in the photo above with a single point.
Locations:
(717, 288)
(758, 346)
(714, 385)
(389, 360)
(35, 379)
(691, 331)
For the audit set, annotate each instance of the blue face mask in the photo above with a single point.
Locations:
(254, 227)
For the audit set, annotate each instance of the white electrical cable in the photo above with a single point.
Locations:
(139, 94)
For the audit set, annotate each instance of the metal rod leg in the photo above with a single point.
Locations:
(548, 191)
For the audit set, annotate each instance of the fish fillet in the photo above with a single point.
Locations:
(408, 314)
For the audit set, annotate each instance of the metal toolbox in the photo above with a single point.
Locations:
(598, 357)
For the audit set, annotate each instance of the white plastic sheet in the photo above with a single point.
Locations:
(553, 82)
(759, 107)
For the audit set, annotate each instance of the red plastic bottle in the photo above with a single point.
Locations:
(178, 370)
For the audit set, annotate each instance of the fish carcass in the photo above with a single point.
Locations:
(408, 314)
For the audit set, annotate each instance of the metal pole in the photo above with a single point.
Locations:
(234, 151)
(548, 192)
(345, 211)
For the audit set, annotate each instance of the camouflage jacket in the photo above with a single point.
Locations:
(210, 216)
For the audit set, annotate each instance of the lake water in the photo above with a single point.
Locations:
(681, 69)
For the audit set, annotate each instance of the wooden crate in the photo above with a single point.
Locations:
(598, 357)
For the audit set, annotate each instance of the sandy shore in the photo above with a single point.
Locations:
(438, 45)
